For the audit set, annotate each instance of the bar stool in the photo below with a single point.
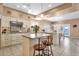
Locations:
(39, 48)
(48, 43)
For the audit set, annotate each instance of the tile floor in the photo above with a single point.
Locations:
(68, 47)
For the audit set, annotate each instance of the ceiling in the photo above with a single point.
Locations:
(68, 16)
(32, 8)
(37, 8)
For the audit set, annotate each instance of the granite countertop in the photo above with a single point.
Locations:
(33, 36)
(30, 34)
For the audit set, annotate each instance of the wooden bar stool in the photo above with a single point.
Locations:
(39, 48)
(48, 43)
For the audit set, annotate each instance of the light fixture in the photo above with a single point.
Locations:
(29, 11)
(38, 18)
(29, 8)
(49, 5)
(18, 6)
(55, 18)
(42, 15)
(34, 13)
(24, 6)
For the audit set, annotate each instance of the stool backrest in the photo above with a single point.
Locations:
(50, 38)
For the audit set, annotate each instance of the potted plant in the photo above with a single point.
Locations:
(35, 29)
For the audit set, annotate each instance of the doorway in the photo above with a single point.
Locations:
(65, 29)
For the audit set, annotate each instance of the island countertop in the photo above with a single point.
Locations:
(38, 35)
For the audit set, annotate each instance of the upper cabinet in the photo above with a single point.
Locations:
(14, 13)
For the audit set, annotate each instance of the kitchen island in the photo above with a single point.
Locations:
(22, 43)
(30, 39)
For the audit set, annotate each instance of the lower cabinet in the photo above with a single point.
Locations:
(11, 44)
(15, 50)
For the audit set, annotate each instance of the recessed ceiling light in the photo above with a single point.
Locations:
(29, 11)
(56, 18)
(38, 18)
(42, 15)
(49, 5)
(18, 6)
(24, 6)
(34, 13)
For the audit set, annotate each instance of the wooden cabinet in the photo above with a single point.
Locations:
(10, 39)
(5, 21)
(10, 44)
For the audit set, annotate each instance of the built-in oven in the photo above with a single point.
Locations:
(16, 26)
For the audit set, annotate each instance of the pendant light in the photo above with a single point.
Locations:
(40, 17)
(42, 10)
(29, 6)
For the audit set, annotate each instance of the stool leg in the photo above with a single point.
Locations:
(48, 50)
(51, 50)
(34, 53)
(39, 53)
(43, 52)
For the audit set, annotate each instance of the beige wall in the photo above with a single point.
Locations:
(74, 31)
(1, 9)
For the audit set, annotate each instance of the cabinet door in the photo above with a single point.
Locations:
(16, 39)
(5, 40)
(5, 21)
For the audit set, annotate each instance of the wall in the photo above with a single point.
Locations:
(1, 9)
(74, 32)
(43, 25)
